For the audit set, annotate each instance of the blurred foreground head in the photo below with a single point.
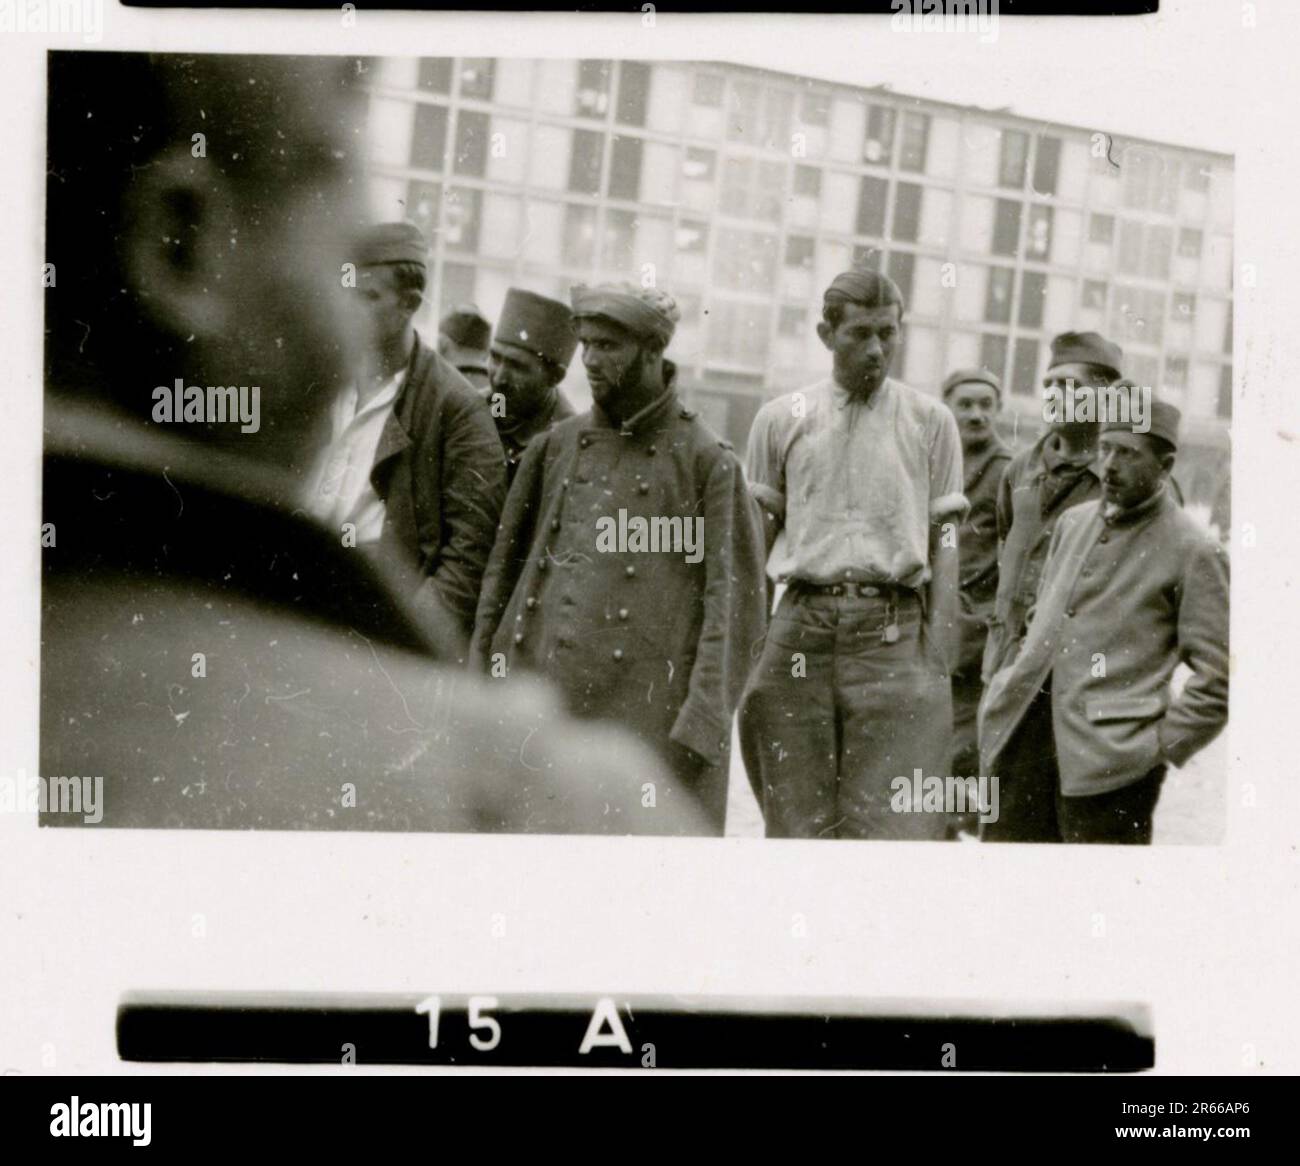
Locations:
(199, 213)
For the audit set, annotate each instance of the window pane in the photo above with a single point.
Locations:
(692, 237)
(770, 195)
(633, 92)
(815, 107)
(1024, 374)
(742, 114)
(902, 266)
(708, 89)
(1184, 306)
(1033, 289)
(879, 143)
(807, 181)
(461, 221)
(1159, 251)
(435, 74)
(471, 143)
(620, 239)
(1012, 160)
(993, 354)
(867, 258)
(1176, 372)
(1130, 248)
(792, 321)
(422, 200)
(579, 249)
(745, 260)
(457, 285)
(799, 251)
(699, 165)
(997, 298)
(1189, 243)
(591, 98)
(1047, 164)
(429, 140)
(1101, 229)
(1006, 227)
(476, 78)
(914, 138)
(1094, 294)
(907, 211)
(871, 206)
(1038, 241)
(625, 168)
(584, 163)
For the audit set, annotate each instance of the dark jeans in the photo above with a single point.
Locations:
(1032, 808)
(835, 713)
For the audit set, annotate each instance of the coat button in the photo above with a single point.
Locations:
(530, 602)
(541, 564)
(555, 525)
(583, 442)
(519, 637)
(622, 613)
(1070, 613)
(618, 653)
(652, 451)
(644, 488)
(1105, 538)
(630, 572)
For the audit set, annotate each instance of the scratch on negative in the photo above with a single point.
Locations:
(176, 492)
(522, 747)
(405, 707)
(291, 696)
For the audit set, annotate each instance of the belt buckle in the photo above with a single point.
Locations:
(836, 589)
(869, 589)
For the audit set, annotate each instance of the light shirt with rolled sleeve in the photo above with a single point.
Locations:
(858, 485)
(340, 490)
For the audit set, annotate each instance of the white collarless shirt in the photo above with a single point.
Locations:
(340, 489)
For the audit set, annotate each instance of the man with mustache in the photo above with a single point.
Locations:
(975, 398)
(531, 350)
(654, 638)
(863, 474)
(1131, 588)
(1040, 483)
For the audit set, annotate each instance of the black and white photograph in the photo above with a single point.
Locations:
(517, 480)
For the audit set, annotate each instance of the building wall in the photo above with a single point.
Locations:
(743, 192)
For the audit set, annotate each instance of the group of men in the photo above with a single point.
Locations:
(947, 608)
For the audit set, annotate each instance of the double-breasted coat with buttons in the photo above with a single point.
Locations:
(645, 638)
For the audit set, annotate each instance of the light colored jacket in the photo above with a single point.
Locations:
(1120, 604)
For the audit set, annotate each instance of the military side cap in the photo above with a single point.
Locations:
(1162, 418)
(1085, 348)
(966, 376)
(467, 327)
(393, 243)
(539, 325)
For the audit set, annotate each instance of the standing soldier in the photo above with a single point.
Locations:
(853, 689)
(1083, 719)
(1040, 483)
(975, 398)
(585, 584)
(530, 354)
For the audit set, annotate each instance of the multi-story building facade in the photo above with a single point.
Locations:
(744, 191)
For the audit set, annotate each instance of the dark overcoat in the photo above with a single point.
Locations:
(441, 472)
(643, 637)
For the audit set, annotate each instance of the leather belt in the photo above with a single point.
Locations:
(871, 590)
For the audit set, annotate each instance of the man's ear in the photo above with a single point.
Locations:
(1167, 462)
(827, 334)
(180, 226)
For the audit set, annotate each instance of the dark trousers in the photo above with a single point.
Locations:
(1033, 809)
(836, 711)
(967, 688)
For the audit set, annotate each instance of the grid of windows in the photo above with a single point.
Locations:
(746, 191)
